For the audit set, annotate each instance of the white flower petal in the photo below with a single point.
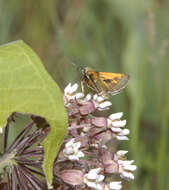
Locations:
(70, 143)
(72, 150)
(124, 132)
(116, 116)
(116, 129)
(105, 104)
(100, 98)
(93, 173)
(100, 178)
(97, 170)
(68, 151)
(121, 152)
(99, 187)
(130, 167)
(103, 109)
(122, 138)
(127, 175)
(67, 89)
(79, 95)
(95, 97)
(73, 88)
(119, 123)
(116, 185)
(77, 145)
(73, 157)
(91, 184)
(125, 162)
(80, 154)
(88, 97)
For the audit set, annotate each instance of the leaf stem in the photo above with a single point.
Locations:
(7, 160)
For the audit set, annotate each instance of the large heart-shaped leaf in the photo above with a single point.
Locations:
(26, 87)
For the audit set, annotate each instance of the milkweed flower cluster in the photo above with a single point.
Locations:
(89, 160)
(84, 160)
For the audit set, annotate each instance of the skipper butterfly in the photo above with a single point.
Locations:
(104, 83)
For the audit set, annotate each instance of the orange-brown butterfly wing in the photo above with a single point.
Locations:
(113, 82)
(104, 82)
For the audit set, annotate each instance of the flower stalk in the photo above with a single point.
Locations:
(6, 160)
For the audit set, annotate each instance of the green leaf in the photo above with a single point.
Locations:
(26, 87)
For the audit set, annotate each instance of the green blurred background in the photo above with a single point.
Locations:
(114, 36)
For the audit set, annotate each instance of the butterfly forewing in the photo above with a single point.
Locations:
(113, 82)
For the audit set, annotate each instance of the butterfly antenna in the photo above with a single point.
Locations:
(79, 68)
(73, 64)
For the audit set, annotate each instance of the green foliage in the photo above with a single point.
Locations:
(26, 87)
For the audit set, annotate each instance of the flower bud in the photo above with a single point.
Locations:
(73, 177)
(87, 108)
(99, 121)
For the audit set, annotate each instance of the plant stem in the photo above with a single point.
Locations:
(6, 160)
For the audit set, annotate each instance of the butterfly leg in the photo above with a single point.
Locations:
(104, 95)
(83, 86)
